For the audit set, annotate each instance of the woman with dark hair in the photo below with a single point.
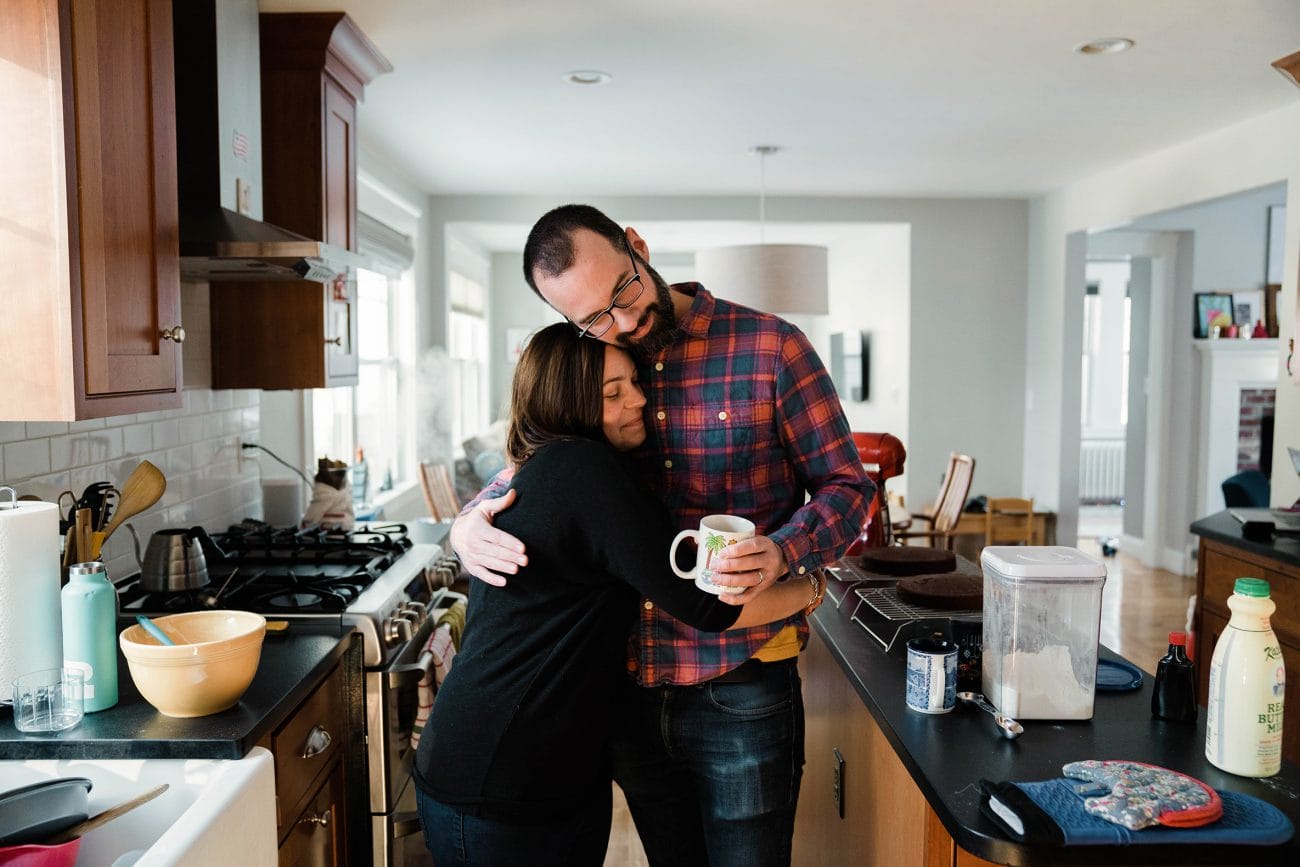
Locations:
(513, 766)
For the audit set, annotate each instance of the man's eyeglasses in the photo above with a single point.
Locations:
(625, 296)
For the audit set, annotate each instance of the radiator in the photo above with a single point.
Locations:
(1101, 471)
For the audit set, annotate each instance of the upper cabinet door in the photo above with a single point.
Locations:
(88, 215)
(126, 212)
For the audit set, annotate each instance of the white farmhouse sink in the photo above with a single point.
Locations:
(216, 812)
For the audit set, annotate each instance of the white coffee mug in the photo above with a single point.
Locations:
(716, 532)
(931, 675)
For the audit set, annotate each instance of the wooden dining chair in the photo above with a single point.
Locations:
(439, 491)
(1009, 521)
(947, 506)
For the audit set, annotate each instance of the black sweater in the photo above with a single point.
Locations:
(521, 725)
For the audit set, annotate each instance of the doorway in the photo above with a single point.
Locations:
(1104, 404)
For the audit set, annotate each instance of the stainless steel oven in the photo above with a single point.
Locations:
(392, 703)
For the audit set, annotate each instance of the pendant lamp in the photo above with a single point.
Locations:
(773, 278)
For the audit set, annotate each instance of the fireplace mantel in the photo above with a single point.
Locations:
(1227, 366)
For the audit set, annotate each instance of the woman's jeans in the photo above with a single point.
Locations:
(459, 840)
(711, 772)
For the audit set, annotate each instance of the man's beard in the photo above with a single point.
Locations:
(664, 329)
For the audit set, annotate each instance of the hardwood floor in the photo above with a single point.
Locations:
(1140, 606)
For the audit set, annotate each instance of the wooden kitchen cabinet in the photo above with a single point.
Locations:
(857, 802)
(283, 334)
(320, 788)
(315, 67)
(1219, 565)
(88, 210)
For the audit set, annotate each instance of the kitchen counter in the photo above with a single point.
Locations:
(1222, 557)
(1222, 527)
(946, 756)
(293, 663)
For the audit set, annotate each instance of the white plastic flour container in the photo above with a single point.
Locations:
(1042, 612)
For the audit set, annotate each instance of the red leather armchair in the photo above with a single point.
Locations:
(882, 456)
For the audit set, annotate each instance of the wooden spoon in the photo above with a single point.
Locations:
(82, 828)
(144, 487)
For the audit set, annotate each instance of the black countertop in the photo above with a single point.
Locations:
(1222, 527)
(293, 663)
(947, 755)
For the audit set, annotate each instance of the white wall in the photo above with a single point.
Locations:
(1245, 156)
(967, 280)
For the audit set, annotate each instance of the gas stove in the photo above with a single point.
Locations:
(374, 579)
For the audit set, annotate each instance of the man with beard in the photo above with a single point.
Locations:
(742, 419)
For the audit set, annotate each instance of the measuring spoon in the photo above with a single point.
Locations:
(1007, 727)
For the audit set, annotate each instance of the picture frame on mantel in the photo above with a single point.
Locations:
(1210, 309)
(1247, 308)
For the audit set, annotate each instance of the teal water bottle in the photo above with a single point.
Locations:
(89, 604)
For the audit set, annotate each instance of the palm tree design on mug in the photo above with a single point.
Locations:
(713, 544)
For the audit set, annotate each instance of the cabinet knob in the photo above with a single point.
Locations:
(318, 741)
(337, 341)
(176, 333)
(322, 818)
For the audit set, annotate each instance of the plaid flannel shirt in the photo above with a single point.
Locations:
(742, 418)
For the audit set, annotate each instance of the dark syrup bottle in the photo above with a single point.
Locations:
(1174, 696)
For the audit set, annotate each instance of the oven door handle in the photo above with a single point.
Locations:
(402, 676)
(405, 824)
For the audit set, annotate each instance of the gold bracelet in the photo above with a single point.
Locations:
(819, 593)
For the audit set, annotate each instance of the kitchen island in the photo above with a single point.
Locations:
(886, 785)
(308, 679)
(1225, 555)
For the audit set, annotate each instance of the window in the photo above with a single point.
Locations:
(376, 415)
(469, 356)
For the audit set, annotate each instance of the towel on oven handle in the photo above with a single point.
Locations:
(435, 660)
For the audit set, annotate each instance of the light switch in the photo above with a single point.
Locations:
(243, 197)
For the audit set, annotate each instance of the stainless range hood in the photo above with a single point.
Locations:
(219, 155)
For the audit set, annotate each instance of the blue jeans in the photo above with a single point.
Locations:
(711, 772)
(456, 839)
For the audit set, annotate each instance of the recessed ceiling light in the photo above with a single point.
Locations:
(587, 76)
(1109, 45)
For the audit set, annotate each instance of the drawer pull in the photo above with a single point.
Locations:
(322, 819)
(318, 741)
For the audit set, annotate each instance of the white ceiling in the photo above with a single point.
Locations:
(868, 97)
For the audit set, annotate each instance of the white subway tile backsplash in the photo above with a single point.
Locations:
(137, 438)
(180, 460)
(27, 458)
(46, 428)
(83, 477)
(198, 401)
(47, 487)
(105, 445)
(195, 447)
(222, 398)
(69, 451)
(166, 434)
(212, 425)
(189, 428)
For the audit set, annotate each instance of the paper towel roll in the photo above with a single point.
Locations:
(31, 626)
